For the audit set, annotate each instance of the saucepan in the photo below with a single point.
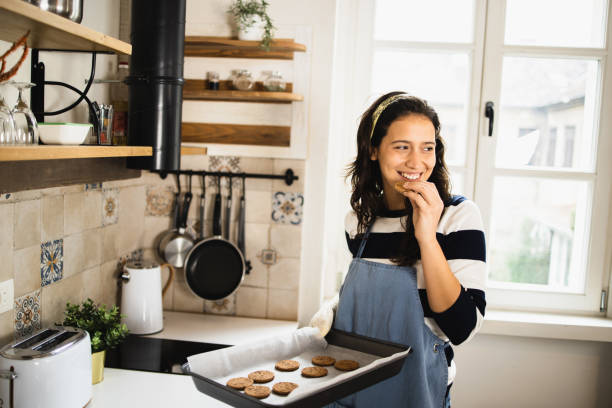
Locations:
(173, 245)
(70, 9)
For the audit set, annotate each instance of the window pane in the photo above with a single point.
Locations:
(539, 232)
(431, 21)
(457, 179)
(568, 23)
(547, 114)
(441, 78)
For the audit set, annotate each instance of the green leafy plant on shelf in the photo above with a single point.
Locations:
(244, 12)
(104, 326)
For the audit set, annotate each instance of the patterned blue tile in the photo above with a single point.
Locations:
(51, 261)
(27, 313)
(287, 208)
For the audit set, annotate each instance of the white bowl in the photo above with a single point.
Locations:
(63, 133)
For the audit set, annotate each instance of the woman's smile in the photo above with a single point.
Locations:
(409, 176)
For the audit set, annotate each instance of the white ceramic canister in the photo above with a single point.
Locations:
(255, 31)
(141, 296)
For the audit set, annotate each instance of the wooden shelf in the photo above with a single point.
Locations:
(44, 152)
(280, 48)
(197, 89)
(51, 31)
(193, 151)
(236, 134)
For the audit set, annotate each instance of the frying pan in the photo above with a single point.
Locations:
(214, 267)
(174, 245)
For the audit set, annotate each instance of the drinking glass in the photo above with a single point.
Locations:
(7, 122)
(25, 122)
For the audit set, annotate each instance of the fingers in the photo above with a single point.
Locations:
(416, 199)
(426, 190)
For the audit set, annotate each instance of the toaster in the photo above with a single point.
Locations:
(49, 368)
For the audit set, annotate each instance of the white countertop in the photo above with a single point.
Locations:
(220, 329)
(129, 388)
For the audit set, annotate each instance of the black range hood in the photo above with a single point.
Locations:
(156, 82)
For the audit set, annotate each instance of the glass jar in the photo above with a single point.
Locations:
(233, 75)
(274, 82)
(213, 80)
(243, 80)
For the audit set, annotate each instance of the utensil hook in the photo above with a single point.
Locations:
(178, 182)
(203, 207)
(203, 175)
(229, 193)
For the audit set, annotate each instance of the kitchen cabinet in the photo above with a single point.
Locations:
(227, 133)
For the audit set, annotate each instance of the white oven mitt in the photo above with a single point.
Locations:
(324, 318)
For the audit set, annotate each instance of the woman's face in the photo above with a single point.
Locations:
(406, 153)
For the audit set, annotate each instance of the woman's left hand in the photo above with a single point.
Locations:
(427, 207)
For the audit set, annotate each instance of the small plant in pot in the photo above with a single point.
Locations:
(253, 22)
(104, 327)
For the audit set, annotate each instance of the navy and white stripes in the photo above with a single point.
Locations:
(461, 237)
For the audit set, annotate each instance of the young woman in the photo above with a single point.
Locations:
(418, 273)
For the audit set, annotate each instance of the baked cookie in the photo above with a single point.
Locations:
(261, 376)
(323, 360)
(346, 365)
(239, 383)
(314, 372)
(257, 391)
(284, 388)
(287, 365)
(399, 187)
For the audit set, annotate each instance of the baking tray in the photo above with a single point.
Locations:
(324, 394)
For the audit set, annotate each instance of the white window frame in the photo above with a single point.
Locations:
(358, 47)
(521, 297)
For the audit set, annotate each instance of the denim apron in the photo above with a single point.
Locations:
(382, 301)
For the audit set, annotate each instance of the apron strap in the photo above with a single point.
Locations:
(364, 240)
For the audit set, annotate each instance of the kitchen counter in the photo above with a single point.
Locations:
(129, 388)
(220, 329)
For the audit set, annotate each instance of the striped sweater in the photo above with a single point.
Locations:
(461, 237)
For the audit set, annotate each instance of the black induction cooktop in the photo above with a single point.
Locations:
(156, 355)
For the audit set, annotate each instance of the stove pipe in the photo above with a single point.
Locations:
(156, 82)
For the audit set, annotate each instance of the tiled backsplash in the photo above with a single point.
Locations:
(65, 244)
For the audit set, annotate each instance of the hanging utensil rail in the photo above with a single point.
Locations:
(289, 176)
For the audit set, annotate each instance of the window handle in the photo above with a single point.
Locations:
(490, 113)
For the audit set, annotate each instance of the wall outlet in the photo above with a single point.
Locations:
(6, 295)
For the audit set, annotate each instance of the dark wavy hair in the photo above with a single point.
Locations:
(366, 180)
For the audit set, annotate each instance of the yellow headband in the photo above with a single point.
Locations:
(382, 107)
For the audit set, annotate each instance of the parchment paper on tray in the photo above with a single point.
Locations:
(301, 345)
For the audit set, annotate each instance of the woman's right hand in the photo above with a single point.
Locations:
(324, 317)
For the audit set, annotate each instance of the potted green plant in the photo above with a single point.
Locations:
(251, 17)
(104, 327)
